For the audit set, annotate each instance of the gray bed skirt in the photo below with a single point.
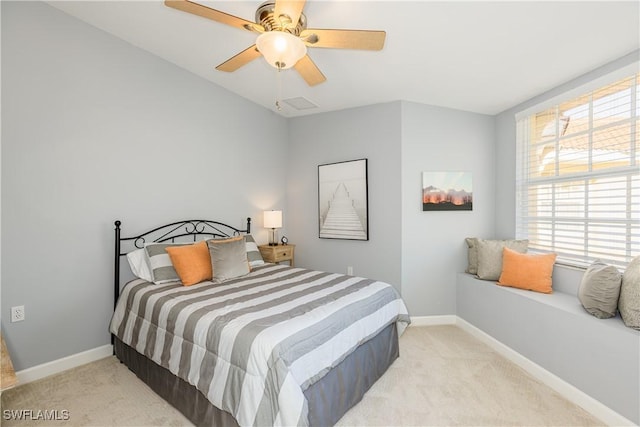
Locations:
(329, 398)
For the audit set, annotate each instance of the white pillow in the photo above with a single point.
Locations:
(139, 263)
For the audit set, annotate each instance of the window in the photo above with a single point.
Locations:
(578, 176)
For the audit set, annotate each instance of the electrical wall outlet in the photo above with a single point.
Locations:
(350, 270)
(17, 313)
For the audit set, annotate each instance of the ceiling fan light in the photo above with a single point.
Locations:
(281, 49)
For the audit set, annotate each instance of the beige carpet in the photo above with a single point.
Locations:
(444, 377)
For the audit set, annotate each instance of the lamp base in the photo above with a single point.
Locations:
(273, 237)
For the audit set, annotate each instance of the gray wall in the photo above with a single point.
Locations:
(369, 132)
(418, 252)
(433, 246)
(95, 130)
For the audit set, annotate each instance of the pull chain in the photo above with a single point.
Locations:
(278, 87)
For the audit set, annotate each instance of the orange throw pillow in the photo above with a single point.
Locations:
(527, 271)
(192, 262)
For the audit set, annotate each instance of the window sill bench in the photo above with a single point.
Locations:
(598, 356)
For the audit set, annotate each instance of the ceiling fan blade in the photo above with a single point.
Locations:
(237, 61)
(290, 8)
(213, 14)
(344, 39)
(309, 71)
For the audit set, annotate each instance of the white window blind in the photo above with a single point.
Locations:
(578, 176)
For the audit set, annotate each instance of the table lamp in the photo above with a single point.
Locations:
(273, 220)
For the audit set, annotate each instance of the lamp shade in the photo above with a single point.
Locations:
(272, 219)
(281, 49)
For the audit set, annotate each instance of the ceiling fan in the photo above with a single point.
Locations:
(284, 37)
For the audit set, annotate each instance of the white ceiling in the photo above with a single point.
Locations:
(476, 56)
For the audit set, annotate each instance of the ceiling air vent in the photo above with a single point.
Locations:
(300, 103)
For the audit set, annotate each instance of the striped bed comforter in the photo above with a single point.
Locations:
(252, 345)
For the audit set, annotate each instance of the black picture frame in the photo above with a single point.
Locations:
(343, 200)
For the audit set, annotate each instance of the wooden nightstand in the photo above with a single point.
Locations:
(276, 254)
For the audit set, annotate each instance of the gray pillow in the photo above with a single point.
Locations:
(490, 256)
(600, 289)
(472, 255)
(228, 258)
(629, 304)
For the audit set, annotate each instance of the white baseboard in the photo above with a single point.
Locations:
(570, 392)
(448, 319)
(46, 369)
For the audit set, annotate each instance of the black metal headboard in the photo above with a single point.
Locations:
(170, 232)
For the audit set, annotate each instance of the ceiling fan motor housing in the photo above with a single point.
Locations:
(265, 16)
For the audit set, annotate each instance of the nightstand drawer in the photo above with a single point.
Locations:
(282, 252)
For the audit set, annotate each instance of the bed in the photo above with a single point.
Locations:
(276, 346)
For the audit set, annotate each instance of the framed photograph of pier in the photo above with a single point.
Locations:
(343, 203)
(447, 191)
